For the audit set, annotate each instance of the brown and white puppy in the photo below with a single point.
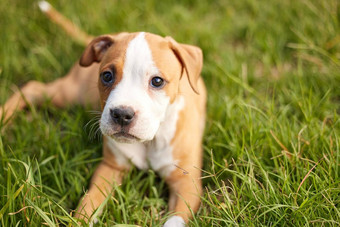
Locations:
(153, 112)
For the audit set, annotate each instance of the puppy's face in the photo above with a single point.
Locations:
(138, 79)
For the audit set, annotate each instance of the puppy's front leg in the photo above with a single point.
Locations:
(185, 190)
(107, 174)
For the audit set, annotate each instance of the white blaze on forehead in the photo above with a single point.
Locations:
(138, 59)
(138, 67)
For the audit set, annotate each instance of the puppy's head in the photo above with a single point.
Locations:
(138, 79)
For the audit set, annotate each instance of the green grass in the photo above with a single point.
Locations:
(272, 69)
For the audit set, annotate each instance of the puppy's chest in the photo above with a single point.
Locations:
(156, 154)
(160, 156)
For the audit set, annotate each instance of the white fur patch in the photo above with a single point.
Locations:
(127, 153)
(160, 149)
(174, 221)
(44, 6)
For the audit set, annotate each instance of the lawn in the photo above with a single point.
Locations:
(271, 145)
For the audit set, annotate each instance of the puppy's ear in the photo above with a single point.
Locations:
(191, 58)
(96, 49)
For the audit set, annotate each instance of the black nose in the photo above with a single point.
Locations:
(122, 115)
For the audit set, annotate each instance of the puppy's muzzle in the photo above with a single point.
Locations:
(122, 115)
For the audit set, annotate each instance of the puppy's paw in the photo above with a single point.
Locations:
(174, 221)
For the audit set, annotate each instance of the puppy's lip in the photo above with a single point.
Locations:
(125, 135)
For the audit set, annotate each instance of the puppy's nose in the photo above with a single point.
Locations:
(122, 115)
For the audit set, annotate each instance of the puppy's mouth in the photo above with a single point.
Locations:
(124, 137)
(118, 133)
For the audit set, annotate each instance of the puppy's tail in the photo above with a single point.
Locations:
(70, 28)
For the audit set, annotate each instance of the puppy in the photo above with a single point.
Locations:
(153, 111)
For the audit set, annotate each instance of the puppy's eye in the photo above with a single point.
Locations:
(107, 77)
(157, 82)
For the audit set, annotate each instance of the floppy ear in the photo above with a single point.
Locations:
(96, 49)
(191, 58)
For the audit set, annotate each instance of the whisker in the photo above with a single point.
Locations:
(93, 126)
(98, 134)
